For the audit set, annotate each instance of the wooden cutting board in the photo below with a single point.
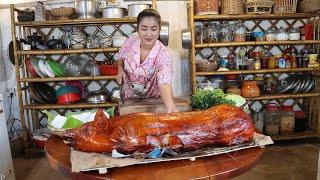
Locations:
(152, 105)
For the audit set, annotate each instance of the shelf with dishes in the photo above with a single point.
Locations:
(68, 51)
(284, 96)
(252, 16)
(69, 106)
(83, 78)
(77, 22)
(255, 43)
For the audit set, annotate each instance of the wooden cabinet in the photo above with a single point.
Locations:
(309, 101)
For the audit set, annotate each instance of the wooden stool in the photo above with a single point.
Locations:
(152, 105)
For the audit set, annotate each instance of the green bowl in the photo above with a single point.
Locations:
(57, 68)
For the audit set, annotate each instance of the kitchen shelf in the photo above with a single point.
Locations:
(254, 43)
(68, 51)
(296, 135)
(69, 106)
(67, 78)
(260, 71)
(82, 22)
(284, 96)
(253, 16)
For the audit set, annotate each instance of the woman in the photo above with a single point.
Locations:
(144, 64)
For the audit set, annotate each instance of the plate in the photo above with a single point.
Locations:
(285, 84)
(42, 68)
(48, 69)
(35, 62)
(57, 69)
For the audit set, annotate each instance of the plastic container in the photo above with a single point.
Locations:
(294, 34)
(271, 119)
(250, 89)
(287, 120)
(282, 35)
(270, 34)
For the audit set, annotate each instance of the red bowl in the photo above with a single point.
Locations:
(68, 98)
(108, 70)
(39, 141)
(31, 69)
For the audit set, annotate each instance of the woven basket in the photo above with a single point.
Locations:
(285, 6)
(204, 7)
(309, 5)
(205, 66)
(259, 6)
(232, 7)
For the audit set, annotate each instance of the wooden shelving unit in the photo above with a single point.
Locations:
(196, 50)
(30, 111)
(255, 43)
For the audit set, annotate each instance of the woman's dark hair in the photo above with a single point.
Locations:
(149, 13)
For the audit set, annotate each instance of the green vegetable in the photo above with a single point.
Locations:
(239, 100)
(206, 98)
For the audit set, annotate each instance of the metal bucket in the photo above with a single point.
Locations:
(135, 9)
(113, 12)
(186, 38)
(86, 9)
(164, 33)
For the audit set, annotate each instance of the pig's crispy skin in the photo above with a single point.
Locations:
(222, 125)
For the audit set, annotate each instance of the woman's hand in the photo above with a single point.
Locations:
(120, 76)
(172, 109)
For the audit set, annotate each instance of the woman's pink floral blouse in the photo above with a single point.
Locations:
(143, 79)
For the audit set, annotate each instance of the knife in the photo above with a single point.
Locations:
(121, 94)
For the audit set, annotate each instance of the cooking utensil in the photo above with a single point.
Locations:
(113, 12)
(285, 84)
(45, 91)
(135, 9)
(11, 52)
(122, 96)
(164, 33)
(67, 89)
(68, 98)
(55, 44)
(311, 84)
(86, 9)
(186, 38)
(97, 97)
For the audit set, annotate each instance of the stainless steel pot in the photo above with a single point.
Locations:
(186, 38)
(85, 9)
(164, 33)
(113, 12)
(135, 9)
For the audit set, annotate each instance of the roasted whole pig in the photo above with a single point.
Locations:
(222, 125)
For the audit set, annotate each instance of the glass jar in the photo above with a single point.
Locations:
(271, 34)
(287, 120)
(260, 81)
(282, 35)
(201, 34)
(270, 85)
(239, 32)
(225, 33)
(250, 89)
(78, 40)
(212, 33)
(250, 63)
(257, 118)
(257, 64)
(271, 119)
(294, 34)
(272, 62)
(259, 36)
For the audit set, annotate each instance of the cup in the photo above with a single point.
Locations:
(26, 47)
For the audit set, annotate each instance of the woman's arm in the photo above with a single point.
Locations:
(167, 97)
(121, 74)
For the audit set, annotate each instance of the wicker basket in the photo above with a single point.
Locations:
(232, 7)
(259, 6)
(203, 7)
(205, 65)
(309, 5)
(285, 6)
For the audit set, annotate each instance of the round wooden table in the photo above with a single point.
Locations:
(219, 166)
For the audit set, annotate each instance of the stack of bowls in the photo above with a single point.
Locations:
(68, 94)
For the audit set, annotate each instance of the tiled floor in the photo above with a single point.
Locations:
(285, 161)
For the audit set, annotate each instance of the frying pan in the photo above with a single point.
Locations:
(11, 52)
(46, 92)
